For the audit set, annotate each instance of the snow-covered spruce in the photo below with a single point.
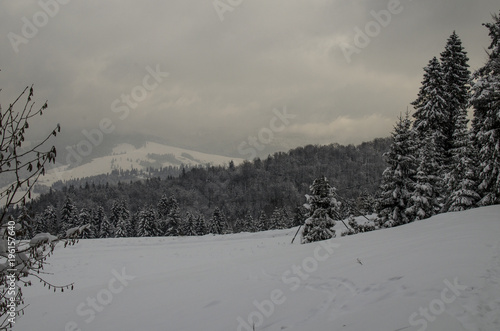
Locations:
(398, 185)
(322, 205)
(486, 124)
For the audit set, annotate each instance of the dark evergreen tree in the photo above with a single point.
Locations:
(322, 206)
(286, 218)
(398, 177)
(106, 229)
(173, 218)
(163, 207)
(366, 203)
(244, 224)
(120, 219)
(276, 220)
(301, 213)
(239, 225)
(425, 200)
(147, 223)
(262, 222)
(85, 218)
(462, 178)
(50, 219)
(218, 223)
(132, 226)
(121, 229)
(118, 211)
(188, 225)
(465, 195)
(456, 76)
(431, 118)
(201, 228)
(97, 220)
(69, 216)
(40, 225)
(248, 223)
(486, 124)
(27, 223)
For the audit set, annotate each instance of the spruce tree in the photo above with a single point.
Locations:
(365, 203)
(200, 226)
(97, 220)
(132, 226)
(300, 214)
(262, 223)
(188, 225)
(85, 218)
(120, 219)
(27, 223)
(462, 178)
(430, 107)
(69, 216)
(121, 230)
(322, 206)
(147, 223)
(425, 199)
(248, 223)
(116, 212)
(276, 220)
(465, 195)
(486, 124)
(174, 220)
(218, 223)
(286, 218)
(238, 225)
(40, 225)
(456, 76)
(51, 220)
(106, 230)
(163, 207)
(398, 177)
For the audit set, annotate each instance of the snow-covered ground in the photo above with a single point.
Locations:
(438, 274)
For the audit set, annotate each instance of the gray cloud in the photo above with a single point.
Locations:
(225, 78)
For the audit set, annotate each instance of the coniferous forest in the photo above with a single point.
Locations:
(255, 195)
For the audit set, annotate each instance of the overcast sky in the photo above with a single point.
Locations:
(230, 63)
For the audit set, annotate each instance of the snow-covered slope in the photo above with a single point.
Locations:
(126, 156)
(438, 274)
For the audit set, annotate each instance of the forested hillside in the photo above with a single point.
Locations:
(279, 181)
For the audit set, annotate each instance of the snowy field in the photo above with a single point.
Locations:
(438, 274)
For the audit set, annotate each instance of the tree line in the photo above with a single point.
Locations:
(255, 195)
(436, 163)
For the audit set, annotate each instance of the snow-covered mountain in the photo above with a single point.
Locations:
(440, 274)
(126, 156)
(123, 156)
